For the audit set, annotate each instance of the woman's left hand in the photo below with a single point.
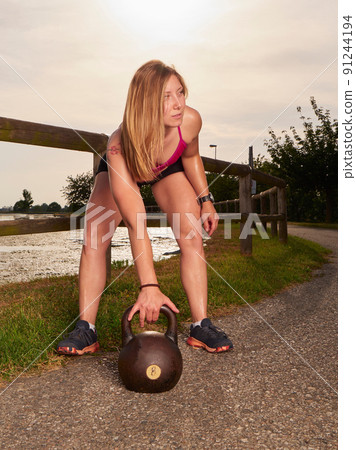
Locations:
(210, 217)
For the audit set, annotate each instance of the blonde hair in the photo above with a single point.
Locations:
(142, 131)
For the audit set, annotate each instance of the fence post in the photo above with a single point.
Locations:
(263, 209)
(282, 209)
(236, 204)
(245, 210)
(254, 204)
(273, 210)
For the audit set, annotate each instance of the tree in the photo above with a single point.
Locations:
(54, 207)
(309, 166)
(19, 206)
(223, 187)
(147, 195)
(39, 208)
(27, 198)
(25, 204)
(78, 189)
(36, 209)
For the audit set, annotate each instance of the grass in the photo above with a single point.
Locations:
(34, 314)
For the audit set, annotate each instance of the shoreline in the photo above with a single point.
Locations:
(35, 225)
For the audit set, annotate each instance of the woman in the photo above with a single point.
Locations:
(157, 143)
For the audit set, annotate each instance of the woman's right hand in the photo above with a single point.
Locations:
(149, 304)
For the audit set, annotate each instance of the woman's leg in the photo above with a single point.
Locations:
(101, 220)
(176, 197)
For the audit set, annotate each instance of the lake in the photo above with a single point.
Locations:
(29, 256)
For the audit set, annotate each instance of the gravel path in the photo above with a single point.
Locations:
(277, 389)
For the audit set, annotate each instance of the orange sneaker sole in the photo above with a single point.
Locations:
(74, 352)
(198, 344)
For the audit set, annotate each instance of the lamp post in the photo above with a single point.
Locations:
(213, 146)
(250, 162)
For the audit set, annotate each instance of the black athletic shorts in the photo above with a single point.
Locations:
(173, 168)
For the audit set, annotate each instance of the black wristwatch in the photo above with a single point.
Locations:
(206, 198)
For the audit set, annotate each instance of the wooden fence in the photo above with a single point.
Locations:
(272, 203)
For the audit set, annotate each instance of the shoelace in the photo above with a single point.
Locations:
(213, 331)
(78, 333)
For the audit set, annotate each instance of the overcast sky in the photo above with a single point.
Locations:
(247, 64)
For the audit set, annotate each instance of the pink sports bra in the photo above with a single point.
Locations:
(176, 155)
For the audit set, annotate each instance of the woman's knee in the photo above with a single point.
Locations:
(95, 244)
(101, 217)
(97, 234)
(191, 241)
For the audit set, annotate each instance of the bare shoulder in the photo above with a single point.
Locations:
(191, 125)
(114, 139)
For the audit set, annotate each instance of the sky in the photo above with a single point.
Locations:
(247, 65)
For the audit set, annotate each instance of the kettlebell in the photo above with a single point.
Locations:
(150, 361)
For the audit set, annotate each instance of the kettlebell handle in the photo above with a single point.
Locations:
(171, 332)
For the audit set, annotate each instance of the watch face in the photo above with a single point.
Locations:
(211, 197)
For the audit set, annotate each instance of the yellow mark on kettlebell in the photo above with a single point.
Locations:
(153, 372)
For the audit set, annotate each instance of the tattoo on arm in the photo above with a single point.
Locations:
(114, 150)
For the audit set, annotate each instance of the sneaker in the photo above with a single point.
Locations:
(207, 336)
(79, 341)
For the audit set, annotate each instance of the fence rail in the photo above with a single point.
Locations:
(266, 205)
(30, 133)
(270, 204)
